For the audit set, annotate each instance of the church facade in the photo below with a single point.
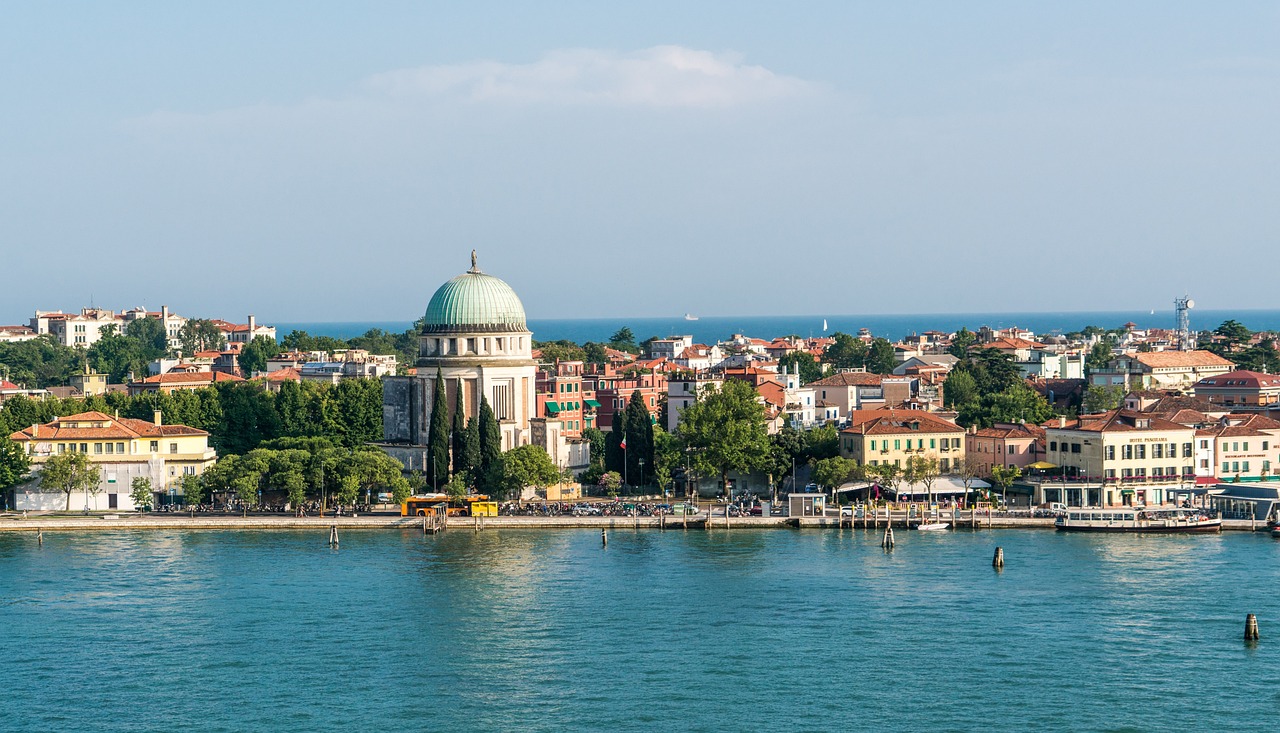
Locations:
(475, 338)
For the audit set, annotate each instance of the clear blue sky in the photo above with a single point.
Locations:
(337, 161)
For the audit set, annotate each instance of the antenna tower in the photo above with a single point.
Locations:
(1186, 338)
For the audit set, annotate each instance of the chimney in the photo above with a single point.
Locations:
(253, 323)
(1062, 421)
(158, 419)
(164, 315)
(35, 430)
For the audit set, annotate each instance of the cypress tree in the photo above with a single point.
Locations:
(438, 437)
(639, 432)
(471, 452)
(490, 442)
(458, 436)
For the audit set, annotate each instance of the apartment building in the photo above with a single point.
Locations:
(876, 437)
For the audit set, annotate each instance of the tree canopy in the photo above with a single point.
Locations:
(726, 431)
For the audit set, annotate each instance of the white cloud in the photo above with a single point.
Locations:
(662, 76)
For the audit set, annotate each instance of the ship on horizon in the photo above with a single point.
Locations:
(690, 317)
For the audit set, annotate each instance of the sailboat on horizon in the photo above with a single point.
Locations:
(824, 325)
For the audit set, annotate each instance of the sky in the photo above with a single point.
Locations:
(323, 161)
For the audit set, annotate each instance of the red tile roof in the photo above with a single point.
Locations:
(849, 379)
(895, 422)
(1241, 378)
(1186, 359)
(105, 427)
(190, 378)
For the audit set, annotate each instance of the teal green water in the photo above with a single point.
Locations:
(711, 631)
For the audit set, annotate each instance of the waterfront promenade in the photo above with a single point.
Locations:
(126, 522)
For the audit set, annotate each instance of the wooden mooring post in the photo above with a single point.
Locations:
(1250, 628)
(40, 536)
(997, 562)
(604, 538)
(887, 541)
(333, 535)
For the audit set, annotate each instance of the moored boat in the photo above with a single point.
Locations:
(932, 526)
(1160, 521)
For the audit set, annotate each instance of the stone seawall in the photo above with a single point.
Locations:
(15, 523)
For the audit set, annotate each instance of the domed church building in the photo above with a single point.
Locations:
(475, 334)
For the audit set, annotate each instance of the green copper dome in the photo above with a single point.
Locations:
(474, 301)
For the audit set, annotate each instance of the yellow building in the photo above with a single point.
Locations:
(123, 448)
(876, 437)
(1122, 457)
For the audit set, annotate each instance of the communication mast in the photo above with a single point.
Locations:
(1186, 338)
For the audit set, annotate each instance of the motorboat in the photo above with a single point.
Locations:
(932, 526)
(1131, 519)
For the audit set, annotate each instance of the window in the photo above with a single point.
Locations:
(119, 447)
(1157, 450)
(84, 447)
(1141, 473)
(1204, 444)
(155, 446)
(955, 443)
(1235, 445)
(1226, 466)
(873, 445)
(933, 443)
(1075, 447)
(1245, 467)
(173, 447)
(908, 443)
(1126, 473)
(897, 445)
(1142, 452)
(1053, 445)
(1246, 446)
(62, 447)
(1110, 452)
(1127, 452)
(1110, 473)
(111, 447)
(1186, 448)
(1266, 445)
(97, 448)
(1010, 450)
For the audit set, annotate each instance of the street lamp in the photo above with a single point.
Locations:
(641, 472)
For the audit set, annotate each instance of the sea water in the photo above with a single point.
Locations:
(710, 329)
(549, 630)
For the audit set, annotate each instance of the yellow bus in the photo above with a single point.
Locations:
(430, 505)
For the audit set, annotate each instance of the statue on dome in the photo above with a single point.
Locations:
(474, 268)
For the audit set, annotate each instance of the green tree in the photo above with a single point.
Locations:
(639, 432)
(961, 342)
(140, 492)
(1231, 334)
(593, 353)
(609, 483)
(69, 473)
(471, 451)
(726, 430)
(1100, 398)
(1017, 403)
(490, 446)
(821, 442)
(922, 470)
(438, 435)
(624, 340)
(846, 352)
(830, 473)
(199, 334)
(39, 362)
(666, 457)
(1003, 477)
(253, 357)
(880, 357)
(118, 357)
(527, 465)
(614, 456)
(1099, 355)
(152, 337)
(457, 442)
(14, 462)
(786, 449)
(193, 489)
(960, 388)
(562, 350)
(802, 363)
